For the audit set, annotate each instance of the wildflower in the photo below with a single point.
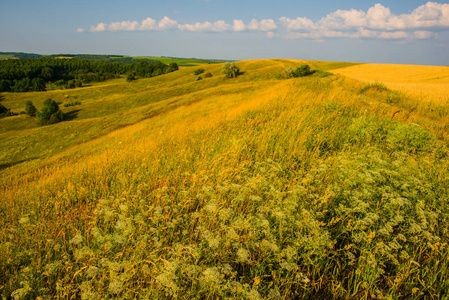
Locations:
(76, 239)
(242, 255)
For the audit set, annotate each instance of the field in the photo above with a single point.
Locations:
(255, 187)
(427, 83)
(183, 62)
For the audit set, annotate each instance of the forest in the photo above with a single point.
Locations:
(27, 75)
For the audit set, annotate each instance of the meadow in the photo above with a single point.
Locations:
(254, 187)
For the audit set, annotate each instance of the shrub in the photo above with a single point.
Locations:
(30, 109)
(208, 75)
(230, 70)
(173, 66)
(130, 77)
(198, 71)
(50, 113)
(199, 78)
(74, 103)
(302, 71)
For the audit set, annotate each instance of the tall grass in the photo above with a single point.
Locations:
(300, 188)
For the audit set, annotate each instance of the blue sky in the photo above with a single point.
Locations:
(411, 32)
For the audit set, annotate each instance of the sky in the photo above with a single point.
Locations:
(381, 31)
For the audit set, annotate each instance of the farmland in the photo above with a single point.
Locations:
(332, 185)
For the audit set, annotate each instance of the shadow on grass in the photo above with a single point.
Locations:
(71, 115)
(8, 165)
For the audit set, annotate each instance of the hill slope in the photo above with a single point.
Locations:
(251, 187)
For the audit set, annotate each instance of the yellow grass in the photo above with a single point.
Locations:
(428, 83)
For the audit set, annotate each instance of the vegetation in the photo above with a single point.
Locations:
(230, 70)
(30, 109)
(3, 111)
(25, 75)
(50, 113)
(208, 75)
(198, 71)
(250, 188)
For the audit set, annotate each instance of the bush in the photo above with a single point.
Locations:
(30, 109)
(230, 70)
(199, 78)
(130, 77)
(302, 71)
(208, 75)
(198, 71)
(173, 66)
(4, 112)
(50, 113)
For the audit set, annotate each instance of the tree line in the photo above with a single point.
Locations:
(27, 75)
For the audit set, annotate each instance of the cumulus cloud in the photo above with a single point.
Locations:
(263, 25)
(377, 22)
(80, 30)
(147, 24)
(218, 26)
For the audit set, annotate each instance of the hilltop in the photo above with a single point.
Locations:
(255, 187)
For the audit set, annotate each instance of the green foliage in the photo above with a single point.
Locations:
(50, 113)
(199, 78)
(377, 87)
(302, 71)
(3, 110)
(130, 77)
(230, 70)
(30, 109)
(208, 75)
(74, 103)
(412, 138)
(198, 71)
(173, 66)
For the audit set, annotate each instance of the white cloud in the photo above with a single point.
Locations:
(167, 23)
(149, 24)
(80, 30)
(239, 25)
(124, 25)
(218, 26)
(99, 27)
(263, 25)
(377, 22)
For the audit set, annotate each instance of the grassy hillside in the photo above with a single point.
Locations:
(246, 188)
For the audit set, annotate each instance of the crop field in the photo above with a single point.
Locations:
(426, 83)
(255, 187)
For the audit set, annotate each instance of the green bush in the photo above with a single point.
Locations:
(30, 109)
(198, 71)
(230, 70)
(208, 75)
(50, 113)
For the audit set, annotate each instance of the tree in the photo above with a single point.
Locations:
(302, 71)
(130, 77)
(3, 110)
(50, 113)
(173, 66)
(30, 109)
(198, 71)
(230, 70)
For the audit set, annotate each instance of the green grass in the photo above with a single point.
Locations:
(246, 188)
(182, 62)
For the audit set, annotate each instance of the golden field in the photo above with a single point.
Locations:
(256, 187)
(427, 83)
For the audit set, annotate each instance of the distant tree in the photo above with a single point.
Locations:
(157, 72)
(302, 71)
(173, 66)
(130, 77)
(50, 113)
(3, 110)
(208, 75)
(198, 71)
(30, 109)
(230, 70)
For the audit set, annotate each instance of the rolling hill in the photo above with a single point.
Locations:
(256, 187)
